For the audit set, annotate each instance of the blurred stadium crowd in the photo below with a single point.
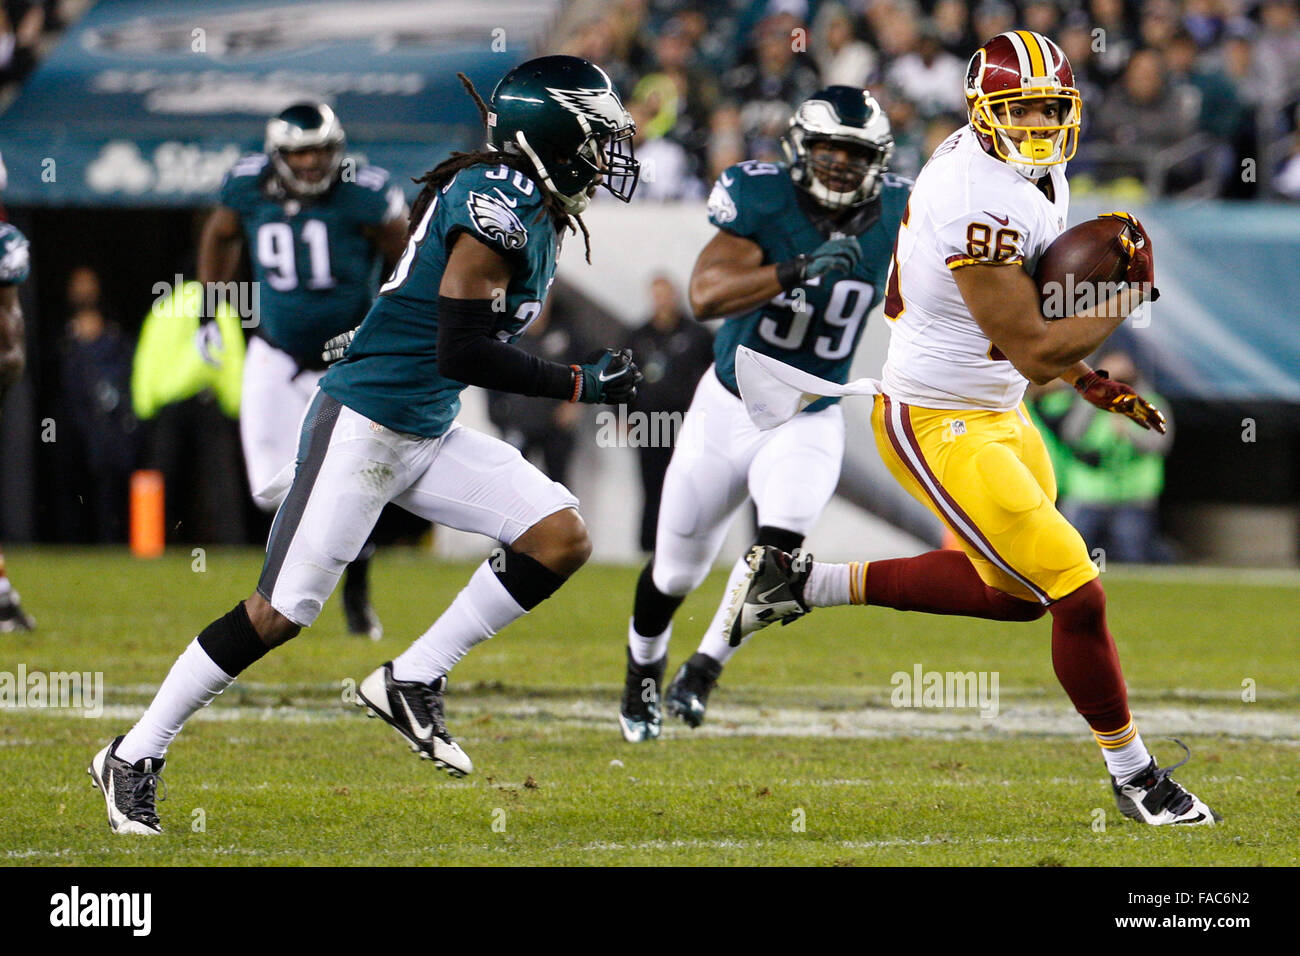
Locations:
(1197, 98)
(1194, 98)
(27, 30)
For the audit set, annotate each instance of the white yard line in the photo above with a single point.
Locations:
(1160, 719)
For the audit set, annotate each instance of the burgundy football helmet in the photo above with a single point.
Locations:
(1017, 66)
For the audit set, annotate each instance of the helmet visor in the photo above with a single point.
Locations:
(843, 166)
(1032, 145)
(619, 168)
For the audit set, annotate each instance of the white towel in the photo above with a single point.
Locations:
(774, 392)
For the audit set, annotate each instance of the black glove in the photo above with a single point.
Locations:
(608, 377)
(833, 255)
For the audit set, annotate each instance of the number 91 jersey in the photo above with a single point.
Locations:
(316, 267)
(817, 326)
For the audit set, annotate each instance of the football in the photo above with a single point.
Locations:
(1081, 259)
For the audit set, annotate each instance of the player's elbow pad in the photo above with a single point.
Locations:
(470, 352)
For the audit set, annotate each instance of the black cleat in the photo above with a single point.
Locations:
(639, 715)
(129, 790)
(12, 616)
(414, 710)
(772, 591)
(1153, 797)
(688, 694)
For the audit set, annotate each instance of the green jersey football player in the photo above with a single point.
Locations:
(318, 228)
(14, 267)
(800, 258)
(486, 229)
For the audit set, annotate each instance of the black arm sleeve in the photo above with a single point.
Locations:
(470, 353)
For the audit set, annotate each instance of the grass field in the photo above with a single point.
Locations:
(803, 760)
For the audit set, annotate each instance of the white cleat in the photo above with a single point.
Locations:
(1154, 797)
(771, 591)
(414, 710)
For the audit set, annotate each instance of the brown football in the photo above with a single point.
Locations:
(1071, 267)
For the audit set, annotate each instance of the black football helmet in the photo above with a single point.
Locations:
(563, 114)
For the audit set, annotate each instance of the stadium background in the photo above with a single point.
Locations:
(121, 118)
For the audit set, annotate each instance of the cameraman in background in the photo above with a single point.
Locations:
(1111, 483)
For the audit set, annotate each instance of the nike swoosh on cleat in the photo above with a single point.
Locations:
(421, 731)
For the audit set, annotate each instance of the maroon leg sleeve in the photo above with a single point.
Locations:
(1085, 659)
(943, 582)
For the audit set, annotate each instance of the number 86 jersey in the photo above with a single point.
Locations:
(817, 326)
(967, 208)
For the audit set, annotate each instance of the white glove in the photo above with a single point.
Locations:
(208, 340)
(335, 348)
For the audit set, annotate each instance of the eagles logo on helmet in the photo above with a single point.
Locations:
(1021, 67)
(301, 127)
(563, 114)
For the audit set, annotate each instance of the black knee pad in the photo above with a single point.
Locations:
(526, 579)
(653, 610)
(787, 541)
(232, 641)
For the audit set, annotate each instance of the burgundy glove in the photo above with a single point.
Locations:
(1141, 258)
(1112, 396)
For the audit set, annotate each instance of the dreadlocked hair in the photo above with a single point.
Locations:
(441, 174)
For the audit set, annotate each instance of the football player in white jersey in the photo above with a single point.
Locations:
(968, 335)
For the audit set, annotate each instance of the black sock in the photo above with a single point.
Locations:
(787, 541)
(526, 579)
(357, 579)
(652, 611)
(232, 642)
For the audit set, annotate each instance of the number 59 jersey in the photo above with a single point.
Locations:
(817, 326)
(316, 266)
(967, 208)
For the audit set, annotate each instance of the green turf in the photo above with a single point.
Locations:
(284, 772)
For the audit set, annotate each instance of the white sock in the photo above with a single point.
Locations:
(715, 641)
(189, 686)
(482, 608)
(827, 585)
(5, 586)
(647, 650)
(1123, 762)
